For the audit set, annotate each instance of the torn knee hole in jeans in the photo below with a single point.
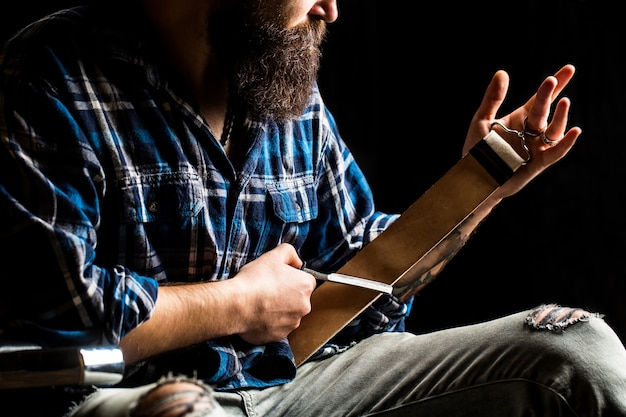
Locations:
(176, 397)
(554, 317)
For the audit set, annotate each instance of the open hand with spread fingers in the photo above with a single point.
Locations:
(540, 139)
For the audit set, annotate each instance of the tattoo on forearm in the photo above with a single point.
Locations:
(433, 263)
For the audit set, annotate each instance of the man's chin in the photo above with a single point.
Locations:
(279, 107)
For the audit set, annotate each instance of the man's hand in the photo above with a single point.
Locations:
(536, 112)
(263, 303)
(275, 295)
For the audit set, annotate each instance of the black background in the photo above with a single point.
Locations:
(404, 79)
(404, 82)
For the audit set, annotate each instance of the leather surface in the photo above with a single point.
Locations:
(395, 254)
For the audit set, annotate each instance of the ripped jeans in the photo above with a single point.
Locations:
(539, 363)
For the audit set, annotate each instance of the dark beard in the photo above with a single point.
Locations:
(271, 70)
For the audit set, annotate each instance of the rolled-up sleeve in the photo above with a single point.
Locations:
(49, 219)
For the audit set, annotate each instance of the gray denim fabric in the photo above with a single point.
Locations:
(503, 367)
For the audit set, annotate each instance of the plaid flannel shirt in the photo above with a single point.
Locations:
(111, 183)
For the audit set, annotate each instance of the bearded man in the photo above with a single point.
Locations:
(166, 169)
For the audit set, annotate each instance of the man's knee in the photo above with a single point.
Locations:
(178, 397)
(553, 317)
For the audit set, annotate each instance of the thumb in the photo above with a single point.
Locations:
(289, 255)
(488, 109)
(493, 97)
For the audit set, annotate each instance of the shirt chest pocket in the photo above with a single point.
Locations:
(162, 197)
(294, 200)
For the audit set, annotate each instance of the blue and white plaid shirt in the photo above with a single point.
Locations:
(111, 183)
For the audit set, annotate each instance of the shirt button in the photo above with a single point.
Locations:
(153, 207)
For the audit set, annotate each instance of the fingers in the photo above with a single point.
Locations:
(288, 255)
(546, 141)
(563, 77)
(541, 132)
(555, 130)
(539, 105)
(493, 97)
(555, 133)
(486, 113)
(537, 117)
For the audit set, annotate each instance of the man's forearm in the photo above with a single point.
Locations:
(436, 259)
(181, 318)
